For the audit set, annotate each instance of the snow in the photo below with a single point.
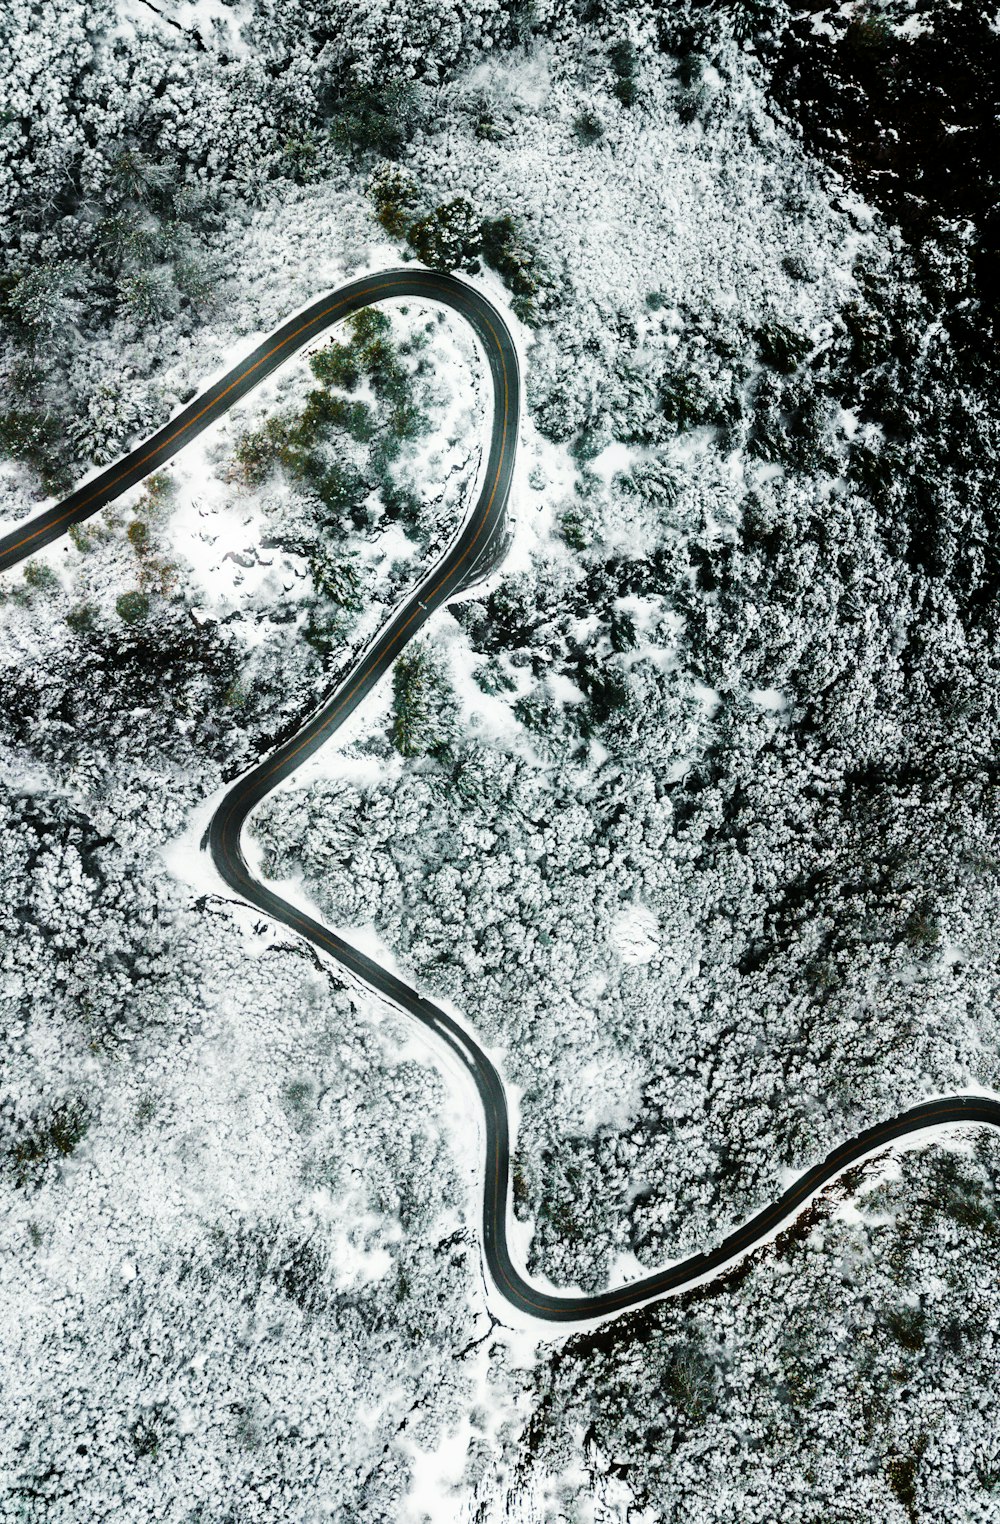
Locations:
(436, 1476)
(219, 536)
(771, 699)
(525, 79)
(700, 215)
(614, 458)
(708, 698)
(635, 933)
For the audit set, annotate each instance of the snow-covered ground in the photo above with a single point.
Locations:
(704, 856)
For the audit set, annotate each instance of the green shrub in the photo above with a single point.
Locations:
(52, 1136)
(690, 1380)
(339, 488)
(449, 238)
(622, 631)
(132, 608)
(370, 324)
(336, 578)
(336, 365)
(386, 376)
(159, 489)
(488, 129)
(574, 528)
(525, 309)
(146, 1435)
(27, 435)
(781, 348)
(588, 127)
(690, 70)
(256, 453)
(901, 1471)
(302, 160)
(400, 503)
(325, 629)
(40, 578)
(922, 930)
(506, 249)
(907, 1325)
(324, 410)
(138, 534)
(624, 65)
(81, 618)
(607, 689)
(374, 118)
(422, 722)
(493, 677)
(395, 197)
(685, 402)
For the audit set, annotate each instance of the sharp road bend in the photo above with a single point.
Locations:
(474, 549)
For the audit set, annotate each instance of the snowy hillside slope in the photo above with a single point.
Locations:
(690, 809)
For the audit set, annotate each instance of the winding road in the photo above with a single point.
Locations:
(473, 549)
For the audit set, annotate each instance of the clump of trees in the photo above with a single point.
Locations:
(314, 445)
(909, 116)
(789, 1342)
(336, 467)
(423, 705)
(624, 60)
(452, 236)
(449, 237)
(50, 1136)
(114, 211)
(588, 127)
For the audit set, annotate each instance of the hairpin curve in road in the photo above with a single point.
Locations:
(469, 551)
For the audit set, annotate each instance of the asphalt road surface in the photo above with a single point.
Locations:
(476, 546)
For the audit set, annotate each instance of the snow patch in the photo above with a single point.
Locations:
(634, 932)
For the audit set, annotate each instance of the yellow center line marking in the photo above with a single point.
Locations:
(323, 724)
(129, 464)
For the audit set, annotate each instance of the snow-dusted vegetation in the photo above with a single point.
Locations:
(831, 1381)
(689, 809)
